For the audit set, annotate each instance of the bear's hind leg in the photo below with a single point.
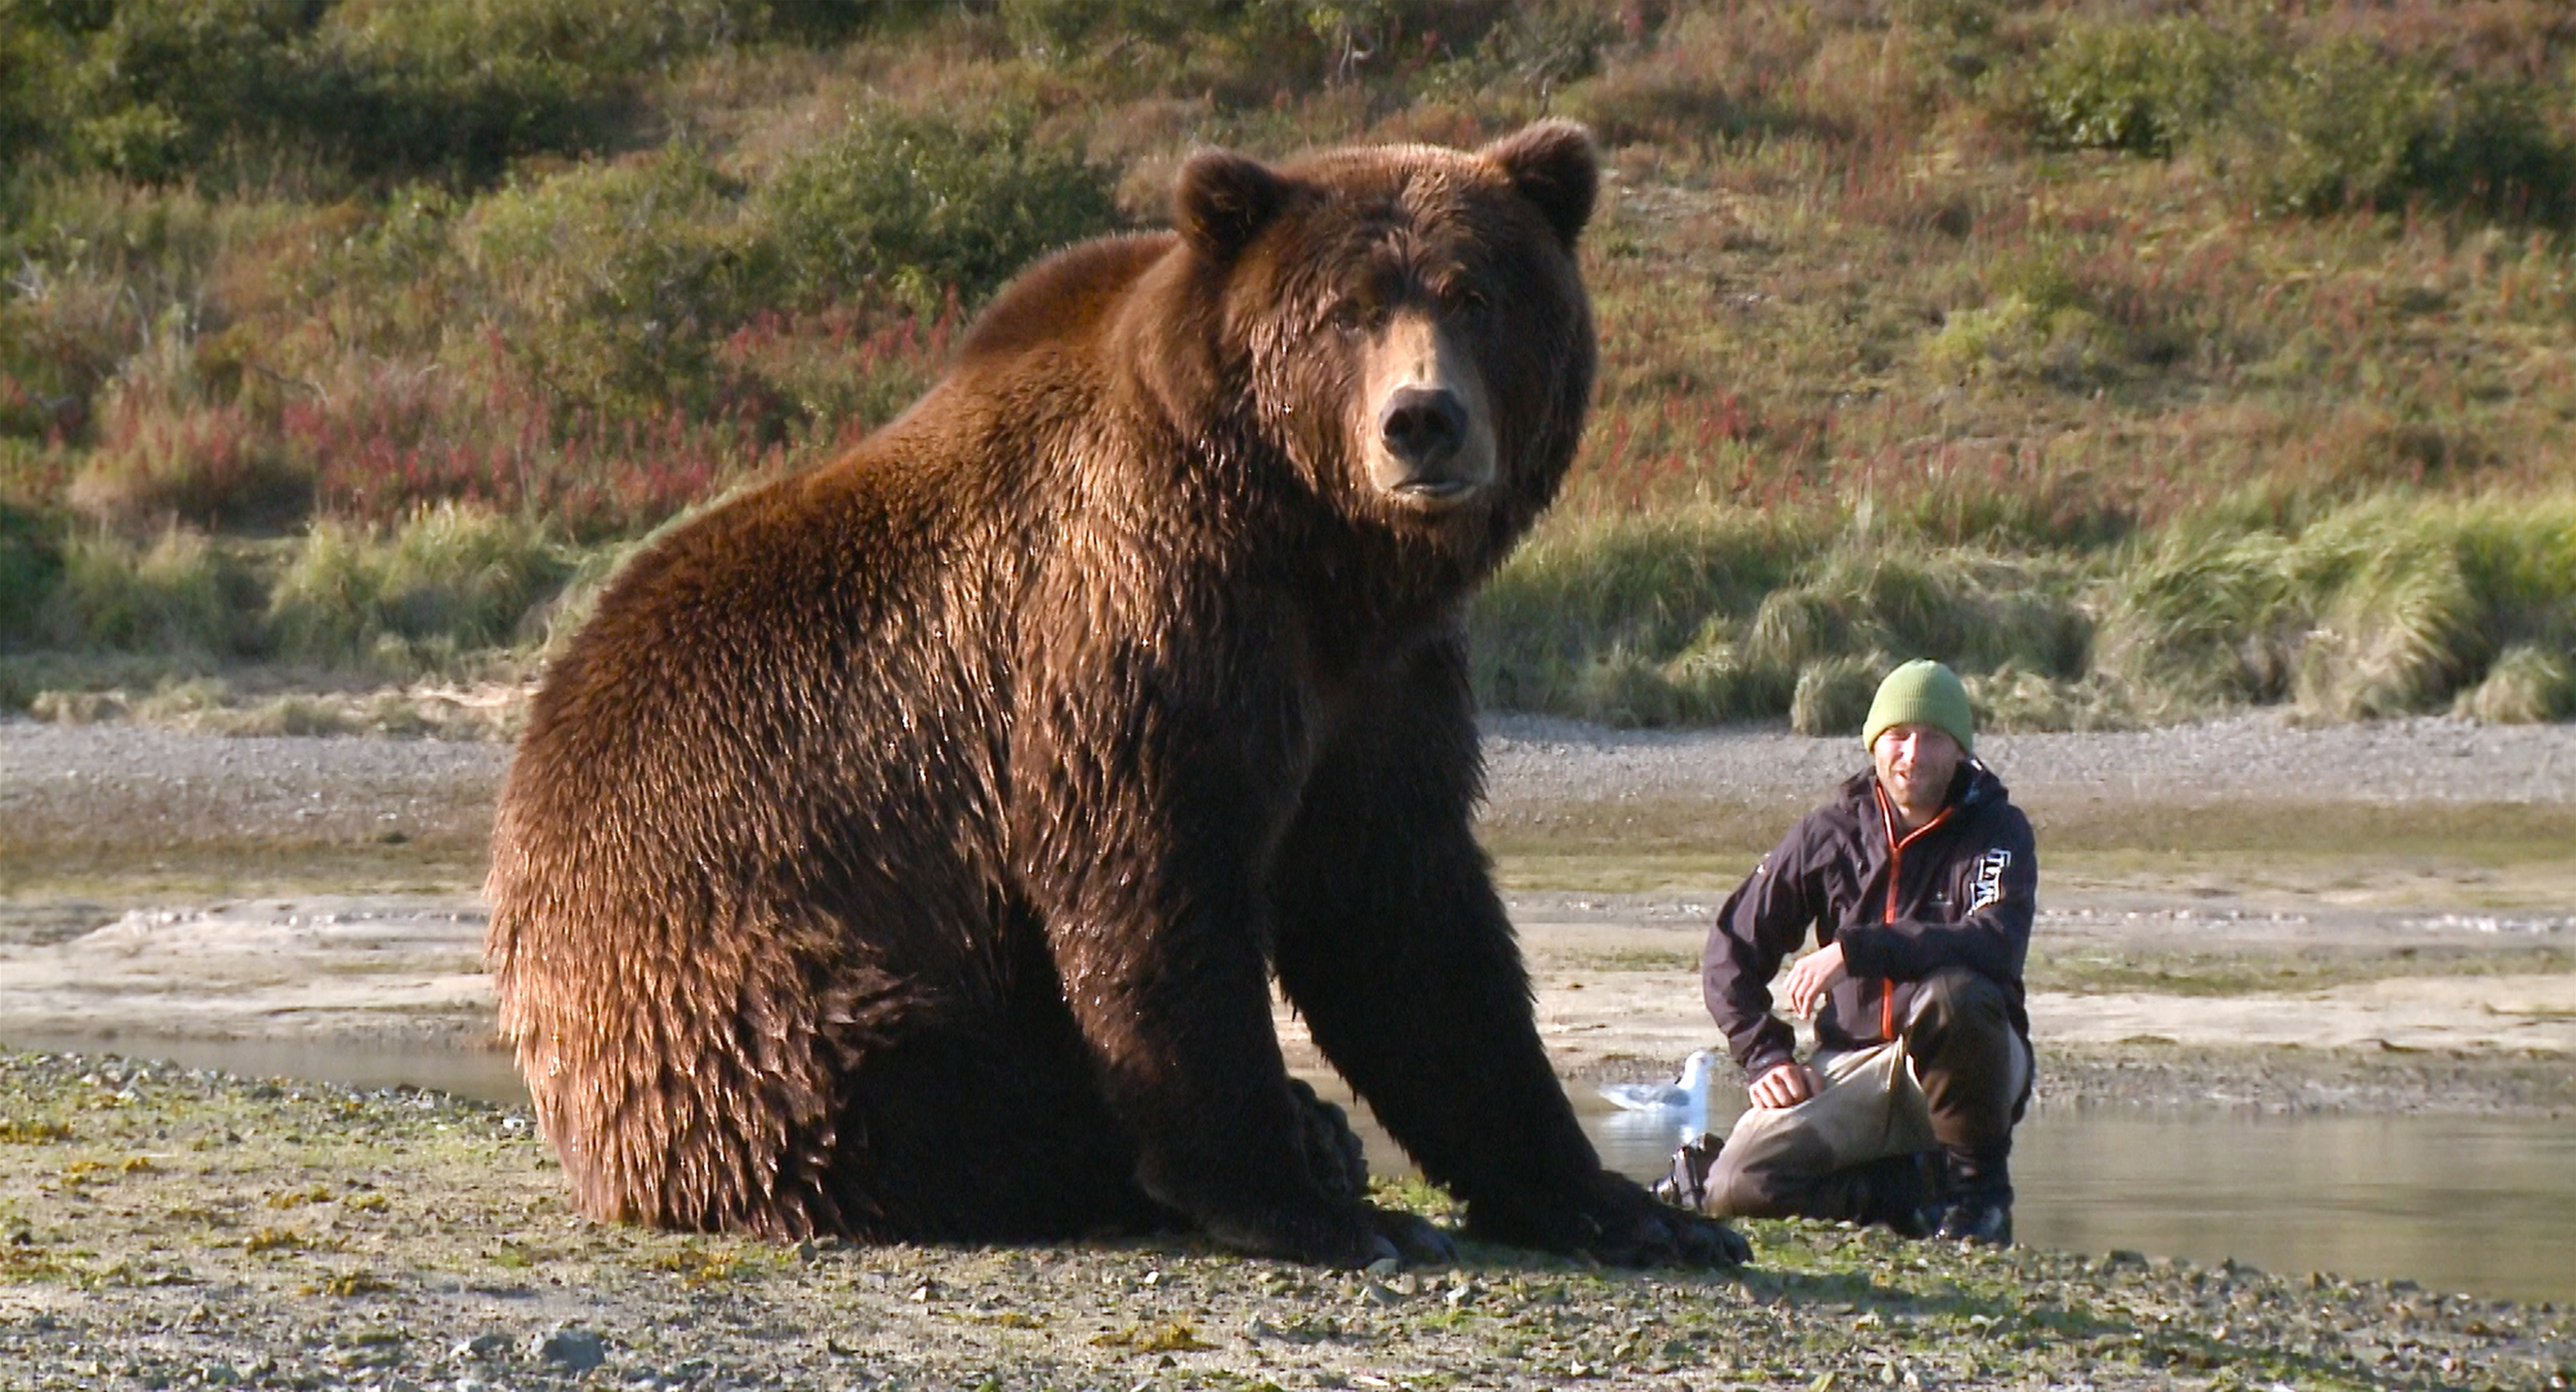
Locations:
(971, 1133)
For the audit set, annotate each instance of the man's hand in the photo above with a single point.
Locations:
(1812, 976)
(1785, 1086)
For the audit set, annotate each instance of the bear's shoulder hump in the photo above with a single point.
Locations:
(1063, 297)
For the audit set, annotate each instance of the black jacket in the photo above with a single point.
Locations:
(1966, 888)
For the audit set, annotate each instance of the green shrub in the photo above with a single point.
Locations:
(611, 282)
(179, 594)
(914, 207)
(109, 282)
(31, 565)
(1708, 684)
(34, 59)
(1531, 47)
(2303, 126)
(448, 584)
(2016, 338)
(2351, 126)
(158, 90)
(1062, 28)
(2140, 87)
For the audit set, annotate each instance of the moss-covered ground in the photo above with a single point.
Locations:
(165, 1228)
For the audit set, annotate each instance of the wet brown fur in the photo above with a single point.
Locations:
(904, 849)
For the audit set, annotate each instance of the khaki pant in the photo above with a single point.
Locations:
(1953, 1082)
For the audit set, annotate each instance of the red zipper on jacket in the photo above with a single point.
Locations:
(1895, 876)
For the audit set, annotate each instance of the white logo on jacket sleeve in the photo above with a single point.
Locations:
(1990, 878)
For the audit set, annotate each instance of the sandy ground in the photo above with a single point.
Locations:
(378, 973)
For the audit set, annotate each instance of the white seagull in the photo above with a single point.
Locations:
(1689, 1094)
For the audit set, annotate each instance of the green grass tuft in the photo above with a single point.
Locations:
(179, 593)
(1834, 693)
(2526, 685)
(448, 584)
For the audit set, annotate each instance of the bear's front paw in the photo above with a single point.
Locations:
(1332, 1150)
(1349, 1236)
(1616, 1222)
(1417, 1240)
(1630, 1227)
(1699, 1240)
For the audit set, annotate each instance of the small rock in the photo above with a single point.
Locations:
(577, 1349)
(1383, 1266)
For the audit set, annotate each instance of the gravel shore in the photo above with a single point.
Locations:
(171, 786)
(2258, 757)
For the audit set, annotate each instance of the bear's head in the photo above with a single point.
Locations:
(1407, 322)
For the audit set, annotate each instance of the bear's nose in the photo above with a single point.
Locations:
(1423, 426)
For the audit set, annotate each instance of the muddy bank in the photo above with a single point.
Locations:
(164, 1228)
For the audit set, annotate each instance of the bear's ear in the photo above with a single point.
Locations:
(1224, 200)
(1553, 166)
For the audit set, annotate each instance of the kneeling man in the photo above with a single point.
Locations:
(1919, 881)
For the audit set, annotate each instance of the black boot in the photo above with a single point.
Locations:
(1893, 1194)
(1976, 1202)
(1685, 1184)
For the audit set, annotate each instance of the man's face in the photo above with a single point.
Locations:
(1915, 765)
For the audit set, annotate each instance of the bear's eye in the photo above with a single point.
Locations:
(1462, 297)
(1354, 315)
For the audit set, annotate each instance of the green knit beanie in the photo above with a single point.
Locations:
(1922, 692)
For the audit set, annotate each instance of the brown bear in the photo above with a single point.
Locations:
(905, 849)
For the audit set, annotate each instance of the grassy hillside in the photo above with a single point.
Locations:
(2143, 361)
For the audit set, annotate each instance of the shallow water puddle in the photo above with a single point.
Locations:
(489, 1075)
(2477, 1204)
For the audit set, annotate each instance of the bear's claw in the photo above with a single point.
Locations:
(1333, 1153)
(1417, 1241)
(1617, 1223)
